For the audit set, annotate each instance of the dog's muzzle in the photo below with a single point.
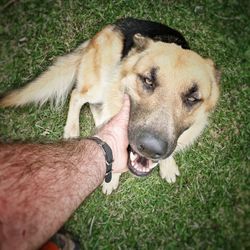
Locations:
(146, 151)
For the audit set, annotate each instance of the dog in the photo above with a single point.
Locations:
(172, 90)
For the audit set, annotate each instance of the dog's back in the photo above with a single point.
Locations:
(98, 56)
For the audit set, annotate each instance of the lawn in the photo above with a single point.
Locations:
(209, 205)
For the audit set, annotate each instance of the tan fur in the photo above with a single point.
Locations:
(54, 84)
(102, 78)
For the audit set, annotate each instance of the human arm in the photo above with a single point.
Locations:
(41, 185)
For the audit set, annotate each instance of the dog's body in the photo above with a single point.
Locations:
(172, 90)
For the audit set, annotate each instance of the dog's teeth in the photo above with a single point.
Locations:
(151, 166)
(154, 165)
(138, 168)
(132, 156)
(133, 163)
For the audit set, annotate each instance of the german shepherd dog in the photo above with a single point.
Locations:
(172, 90)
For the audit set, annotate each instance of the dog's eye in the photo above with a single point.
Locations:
(148, 82)
(191, 100)
(191, 97)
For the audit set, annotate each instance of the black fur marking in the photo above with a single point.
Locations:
(156, 31)
(192, 90)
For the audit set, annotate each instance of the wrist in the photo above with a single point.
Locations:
(95, 156)
(107, 152)
(109, 139)
(119, 149)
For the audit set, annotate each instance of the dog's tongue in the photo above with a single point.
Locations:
(143, 161)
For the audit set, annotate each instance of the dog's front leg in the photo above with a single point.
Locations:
(108, 188)
(169, 170)
(72, 129)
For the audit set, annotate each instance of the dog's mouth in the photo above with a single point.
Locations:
(139, 165)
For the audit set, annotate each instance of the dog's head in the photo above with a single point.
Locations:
(172, 91)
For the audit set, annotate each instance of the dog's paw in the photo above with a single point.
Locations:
(108, 188)
(169, 170)
(71, 132)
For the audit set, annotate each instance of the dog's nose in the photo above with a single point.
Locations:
(151, 145)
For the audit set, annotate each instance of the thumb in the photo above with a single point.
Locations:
(124, 112)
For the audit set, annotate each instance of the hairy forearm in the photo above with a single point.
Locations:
(40, 187)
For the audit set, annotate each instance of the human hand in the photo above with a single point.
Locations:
(115, 134)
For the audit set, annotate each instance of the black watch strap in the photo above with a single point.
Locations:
(108, 157)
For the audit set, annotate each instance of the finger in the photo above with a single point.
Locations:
(126, 105)
(124, 112)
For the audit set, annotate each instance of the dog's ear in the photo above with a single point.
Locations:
(216, 71)
(215, 90)
(217, 74)
(140, 42)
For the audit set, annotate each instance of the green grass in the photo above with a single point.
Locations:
(208, 207)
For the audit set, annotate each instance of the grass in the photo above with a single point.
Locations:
(208, 207)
